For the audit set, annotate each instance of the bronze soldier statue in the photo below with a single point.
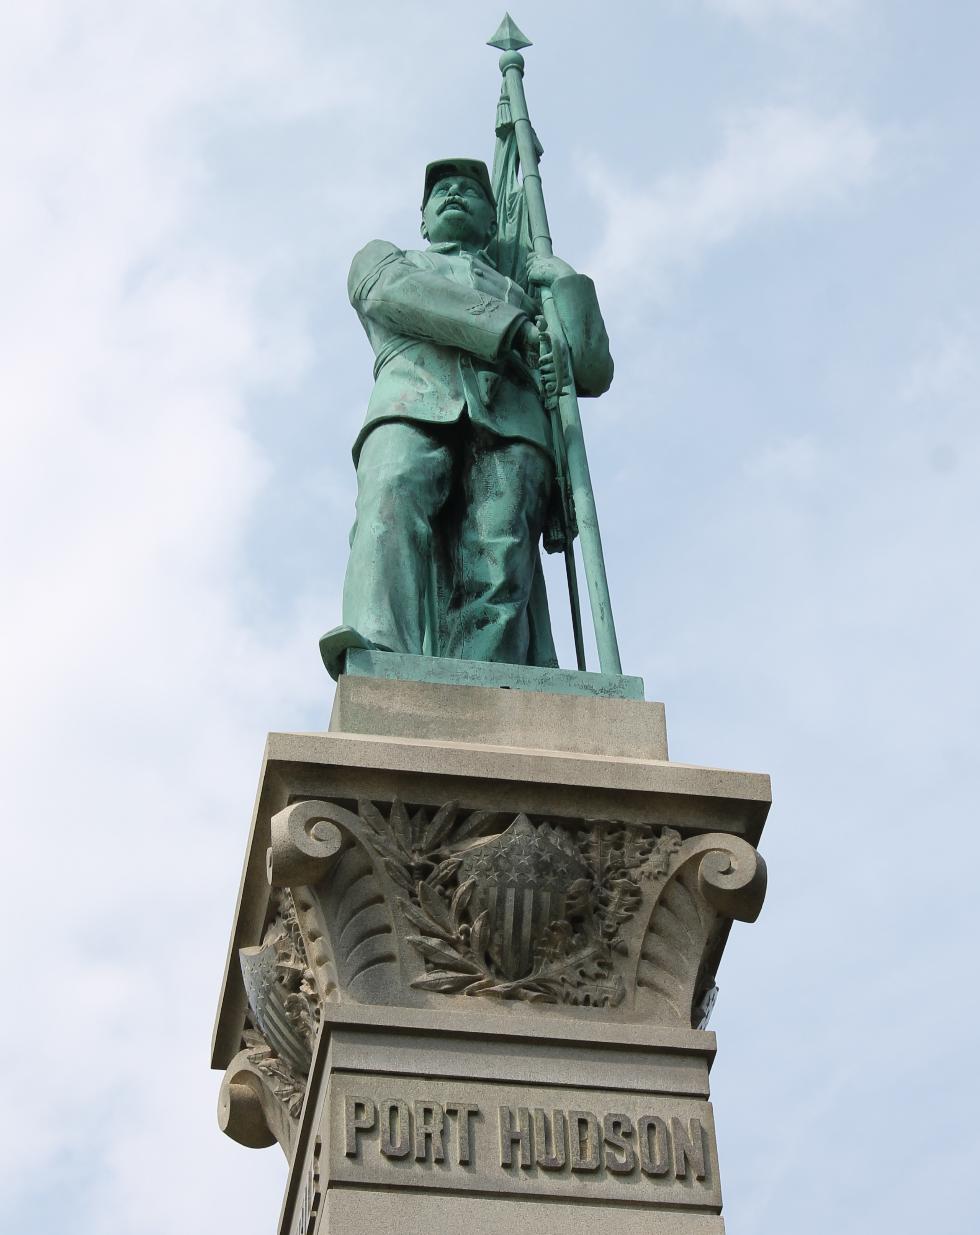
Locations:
(456, 460)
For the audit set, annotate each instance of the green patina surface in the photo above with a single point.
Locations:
(366, 662)
(456, 459)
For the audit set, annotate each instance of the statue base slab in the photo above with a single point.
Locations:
(344, 651)
(394, 666)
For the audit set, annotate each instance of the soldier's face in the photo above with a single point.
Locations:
(458, 210)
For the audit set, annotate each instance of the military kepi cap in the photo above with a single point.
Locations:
(474, 168)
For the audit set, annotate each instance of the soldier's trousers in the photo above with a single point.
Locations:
(446, 541)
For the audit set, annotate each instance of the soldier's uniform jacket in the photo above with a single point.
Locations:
(441, 323)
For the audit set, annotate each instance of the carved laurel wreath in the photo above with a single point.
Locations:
(464, 942)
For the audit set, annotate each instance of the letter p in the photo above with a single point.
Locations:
(359, 1116)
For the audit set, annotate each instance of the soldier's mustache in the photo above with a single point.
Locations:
(454, 201)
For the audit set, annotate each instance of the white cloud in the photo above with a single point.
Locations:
(775, 162)
(947, 369)
(796, 461)
(763, 12)
(136, 682)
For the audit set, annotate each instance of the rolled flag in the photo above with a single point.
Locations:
(513, 239)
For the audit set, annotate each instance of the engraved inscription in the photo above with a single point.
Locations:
(396, 1130)
(555, 1159)
(688, 1148)
(620, 1154)
(620, 1144)
(514, 1135)
(532, 1137)
(402, 1129)
(464, 1115)
(419, 1133)
(654, 1149)
(429, 1122)
(359, 1116)
(583, 1136)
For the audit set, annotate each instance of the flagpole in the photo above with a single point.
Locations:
(510, 39)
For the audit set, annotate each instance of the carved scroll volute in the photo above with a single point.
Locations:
(731, 875)
(249, 1112)
(712, 879)
(345, 899)
(304, 844)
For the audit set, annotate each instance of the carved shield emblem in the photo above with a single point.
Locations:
(523, 879)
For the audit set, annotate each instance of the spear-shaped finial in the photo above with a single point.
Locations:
(509, 36)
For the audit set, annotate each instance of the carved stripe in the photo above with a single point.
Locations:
(527, 924)
(509, 896)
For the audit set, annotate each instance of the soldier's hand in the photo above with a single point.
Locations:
(549, 375)
(543, 271)
(528, 343)
(549, 365)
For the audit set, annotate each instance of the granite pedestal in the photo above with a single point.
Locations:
(473, 960)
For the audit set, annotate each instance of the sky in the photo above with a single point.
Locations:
(779, 201)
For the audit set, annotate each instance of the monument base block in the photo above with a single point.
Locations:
(415, 1120)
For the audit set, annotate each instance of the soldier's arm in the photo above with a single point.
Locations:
(585, 331)
(386, 287)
